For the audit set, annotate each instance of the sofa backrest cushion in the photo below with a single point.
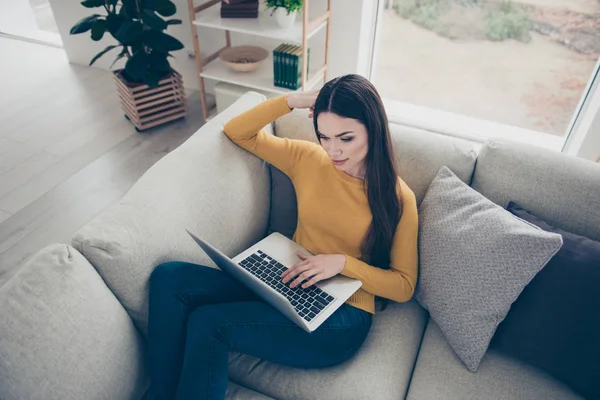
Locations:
(64, 335)
(208, 185)
(560, 189)
(420, 155)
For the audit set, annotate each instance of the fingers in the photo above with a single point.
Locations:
(295, 270)
(315, 279)
(304, 261)
(304, 276)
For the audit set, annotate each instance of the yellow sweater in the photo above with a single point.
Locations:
(333, 209)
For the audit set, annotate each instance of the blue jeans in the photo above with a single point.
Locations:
(198, 314)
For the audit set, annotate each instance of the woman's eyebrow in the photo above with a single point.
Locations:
(339, 134)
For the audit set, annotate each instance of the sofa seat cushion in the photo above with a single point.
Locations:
(380, 370)
(64, 335)
(439, 374)
(238, 392)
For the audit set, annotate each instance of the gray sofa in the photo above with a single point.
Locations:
(73, 320)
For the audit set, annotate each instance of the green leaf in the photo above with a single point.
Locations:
(122, 54)
(129, 32)
(98, 29)
(113, 23)
(174, 22)
(129, 9)
(152, 78)
(158, 61)
(84, 24)
(93, 3)
(149, 5)
(106, 50)
(153, 20)
(137, 65)
(166, 8)
(160, 41)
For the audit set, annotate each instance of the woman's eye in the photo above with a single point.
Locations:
(347, 139)
(323, 138)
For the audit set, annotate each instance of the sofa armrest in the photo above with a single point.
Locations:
(207, 185)
(64, 335)
(209, 182)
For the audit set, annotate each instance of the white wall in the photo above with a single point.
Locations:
(349, 47)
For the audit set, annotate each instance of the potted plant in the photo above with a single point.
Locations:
(150, 91)
(285, 11)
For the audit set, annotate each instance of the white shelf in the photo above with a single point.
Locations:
(260, 79)
(264, 25)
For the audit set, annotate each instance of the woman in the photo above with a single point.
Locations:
(354, 213)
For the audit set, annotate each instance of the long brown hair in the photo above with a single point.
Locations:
(353, 96)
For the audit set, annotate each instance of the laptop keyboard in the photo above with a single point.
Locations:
(308, 303)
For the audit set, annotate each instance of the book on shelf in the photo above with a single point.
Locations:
(239, 14)
(287, 66)
(232, 2)
(246, 9)
(252, 5)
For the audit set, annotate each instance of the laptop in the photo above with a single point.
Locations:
(260, 267)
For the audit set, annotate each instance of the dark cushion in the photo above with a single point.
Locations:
(283, 215)
(555, 323)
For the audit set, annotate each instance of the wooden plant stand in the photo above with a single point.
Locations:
(148, 107)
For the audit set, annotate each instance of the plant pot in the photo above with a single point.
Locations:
(148, 107)
(284, 20)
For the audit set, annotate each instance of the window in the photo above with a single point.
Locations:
(524, 64)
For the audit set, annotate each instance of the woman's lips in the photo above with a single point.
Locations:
(341, 162)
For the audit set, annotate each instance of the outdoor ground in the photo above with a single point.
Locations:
(455, 55)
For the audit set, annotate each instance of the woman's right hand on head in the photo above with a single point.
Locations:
(303, 100)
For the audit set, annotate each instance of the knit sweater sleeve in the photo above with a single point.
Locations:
(247, 131)
(397, 283)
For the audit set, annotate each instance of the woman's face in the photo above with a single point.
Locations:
(346, 142)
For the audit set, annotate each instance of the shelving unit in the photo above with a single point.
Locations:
(208, 15)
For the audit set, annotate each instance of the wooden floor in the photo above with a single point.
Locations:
(66, 150)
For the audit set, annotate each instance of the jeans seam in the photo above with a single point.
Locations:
(210, 367)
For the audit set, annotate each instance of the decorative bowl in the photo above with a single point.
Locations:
(243, 58)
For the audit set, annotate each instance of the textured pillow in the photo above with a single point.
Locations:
(555, 323)
(475, 259)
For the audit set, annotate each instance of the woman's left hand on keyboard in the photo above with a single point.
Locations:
(312, 269)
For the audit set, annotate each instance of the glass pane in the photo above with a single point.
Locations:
(524, 63)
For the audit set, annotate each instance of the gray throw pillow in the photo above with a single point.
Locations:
(475, 259)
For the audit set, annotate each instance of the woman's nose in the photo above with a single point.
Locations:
(333, 150)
